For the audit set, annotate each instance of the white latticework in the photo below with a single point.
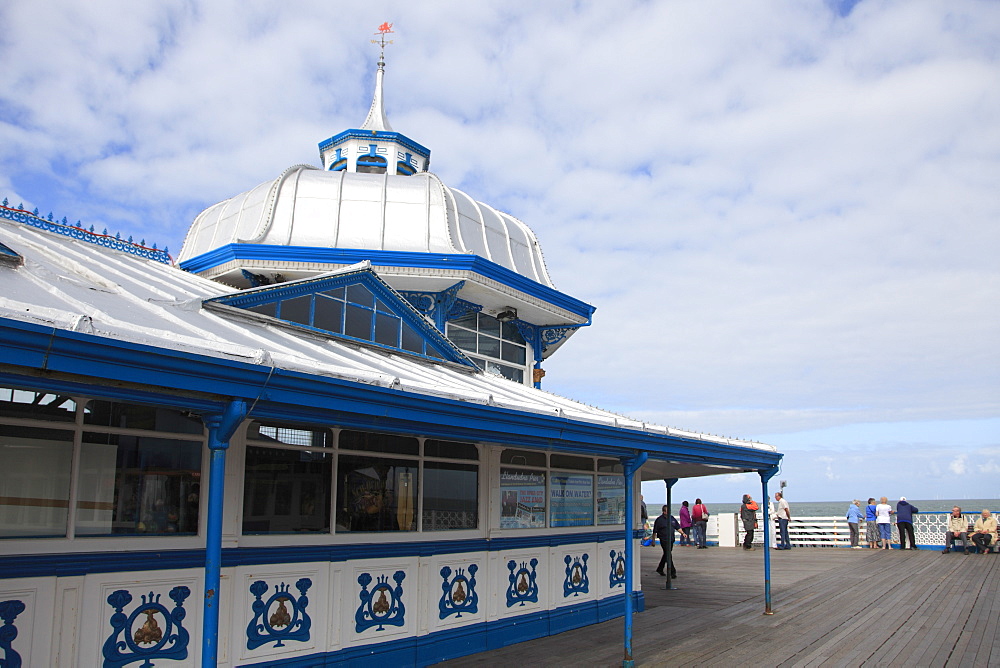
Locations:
(929, 529)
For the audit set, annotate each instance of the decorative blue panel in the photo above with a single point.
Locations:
(383, 605)
(436, 305)
(459, 594)
(169, 642)
(616, 578)
(9, 610)
(576, 581)
(522, 587)
(282, 624)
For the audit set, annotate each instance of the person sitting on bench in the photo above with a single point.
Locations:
(985, 532)
(956, 529)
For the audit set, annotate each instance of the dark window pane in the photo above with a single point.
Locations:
(468, 320)
(286, 491)
(134, 416)
(329, 315)
(296, 309)
(489, 347)
(358, 323)
(462, 338)
(509, 332)
(379, 306)
(512, 352)
(411, 340)
(450, 450)
(376, 494)
(451, 496)
(336, 293)
(387, 330)
(132, 485)
(609, 466)
(270, 308)
(359, 294)
(489, 324)
(36, 405)
(316, 437)
(35, 481)
(570, 462)
(508, 372)
(430, 352)
(523, 457)
(372, 442)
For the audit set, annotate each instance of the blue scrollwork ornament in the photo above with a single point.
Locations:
(282, 624)
(459, 593)
(149, 641)
(576, 581)
(522, 587)
(9, 610)
(616, 578)
(383, 605)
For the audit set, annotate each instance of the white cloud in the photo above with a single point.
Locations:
(957, 465)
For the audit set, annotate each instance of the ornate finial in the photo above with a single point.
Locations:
(383, 30)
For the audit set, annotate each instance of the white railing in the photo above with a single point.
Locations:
(929, 529)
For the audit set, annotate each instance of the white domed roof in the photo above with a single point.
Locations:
(309, 207)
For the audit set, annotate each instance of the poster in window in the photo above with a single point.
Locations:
(572, 500)
(610, 499)
(522, 499)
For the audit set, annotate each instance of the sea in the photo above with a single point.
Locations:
(836, 508)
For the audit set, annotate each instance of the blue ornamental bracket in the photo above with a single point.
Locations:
(383, 605)
(282, 624)
(522, 587)
(149, 641)
(459, 593)
(9, 610)
(576, 581)
(616, 578)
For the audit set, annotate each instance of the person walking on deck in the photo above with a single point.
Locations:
(904, 523)
(871, 525)
(985, 532)
(956, 529)
(853, 522)
(699, 521)
(663, 528)
(685, 515)
(748, 514)
(882, 512)
(784, 515)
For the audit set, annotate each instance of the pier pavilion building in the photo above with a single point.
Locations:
(319, 438)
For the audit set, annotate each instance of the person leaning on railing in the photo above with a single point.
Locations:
(956, 529)
(985, 532)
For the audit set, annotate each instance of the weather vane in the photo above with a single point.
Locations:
(383, 30)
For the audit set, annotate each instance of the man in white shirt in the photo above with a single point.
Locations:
(784, 514)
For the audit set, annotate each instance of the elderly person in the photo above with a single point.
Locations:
(956, 529)
(853, 523)
(882, 512)
(748, 514)
(871, 528)
(984, 533)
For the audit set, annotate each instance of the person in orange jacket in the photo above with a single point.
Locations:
(748, 513)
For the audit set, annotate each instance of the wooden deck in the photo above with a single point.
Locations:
(832, 607)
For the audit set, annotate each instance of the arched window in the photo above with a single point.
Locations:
(405, 169)
(371, 164)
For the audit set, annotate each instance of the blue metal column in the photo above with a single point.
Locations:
(630, 465)
(766, 475)
(220, 429)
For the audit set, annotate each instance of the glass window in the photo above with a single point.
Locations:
(572, 498)
(610, 499)
(359, 294)
(451, 496)
(489, 325)
(469, 321)
(318, 437)
(138, 485)
(286, 491)
(270, 308)
(358, 323)
(450, 450)
(523, 457)
(329, 315)
(609, 466)
(36, 405)
(387, 330)
(511, 352)
(522, 499)
(389, 443)
(489, 347)
(559, 461)
(510, 332)
(34, 486)
(376, 494)
(462, 338)
(411, 340)
(136, 416)
(296, 309)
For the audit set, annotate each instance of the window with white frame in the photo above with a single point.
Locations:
(496, 347)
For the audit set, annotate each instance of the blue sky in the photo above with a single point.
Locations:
(786, 213)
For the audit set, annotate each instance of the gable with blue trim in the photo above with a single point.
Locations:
(357, 306)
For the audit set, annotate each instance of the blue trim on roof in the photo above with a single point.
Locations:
(369, 279)
(346, 256)
(395, 137)
(296, 396)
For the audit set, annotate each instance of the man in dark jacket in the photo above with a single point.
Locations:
(904, 523)
(748, 514)
(663, 528)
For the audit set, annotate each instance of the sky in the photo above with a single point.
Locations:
(785, 212)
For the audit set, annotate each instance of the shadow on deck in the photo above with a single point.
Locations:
(832, 607)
